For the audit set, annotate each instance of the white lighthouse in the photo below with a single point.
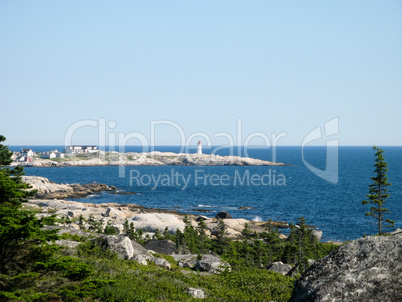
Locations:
(199, 149)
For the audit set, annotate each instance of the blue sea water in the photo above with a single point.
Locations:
(280, 193)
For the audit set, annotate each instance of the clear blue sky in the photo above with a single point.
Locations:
(280, 66)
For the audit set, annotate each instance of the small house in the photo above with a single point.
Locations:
(27, 152)
(48, 155)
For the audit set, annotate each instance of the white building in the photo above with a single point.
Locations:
(51, 154)
(27, 152)
(81, 149)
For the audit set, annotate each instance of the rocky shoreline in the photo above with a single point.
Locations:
(145, 159)
(50, 199)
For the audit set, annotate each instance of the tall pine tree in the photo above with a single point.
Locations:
(378, 192)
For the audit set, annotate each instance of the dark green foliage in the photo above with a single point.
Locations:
(301, 245)
(204, 243)
(22, 240)
(31, 268)
(110, 229)
(378, 192)
(222, 242)
(5, 153)
(94, 225)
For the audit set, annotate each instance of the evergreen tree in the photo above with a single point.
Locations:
(378, 191)
(203, 240)
(222, 242)
(23, 243)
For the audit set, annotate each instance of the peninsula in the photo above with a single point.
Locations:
(154, 158)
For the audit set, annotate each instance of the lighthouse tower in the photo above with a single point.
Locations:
(199, 149)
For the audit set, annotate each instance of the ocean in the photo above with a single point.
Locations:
(272, 192)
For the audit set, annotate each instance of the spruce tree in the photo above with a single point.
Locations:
(378, 192)
(23, 243)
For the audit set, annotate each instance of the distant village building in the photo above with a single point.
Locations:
(81, 149)
(51, 154)
(27, 152)
(26, 155)
(24, 158)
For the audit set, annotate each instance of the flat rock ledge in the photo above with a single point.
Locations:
(47, 189)
(147, 159)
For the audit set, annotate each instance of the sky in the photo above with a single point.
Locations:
(223, 72)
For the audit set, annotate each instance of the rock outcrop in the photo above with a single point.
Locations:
(212, 264)
(279, 267)
(161, 262)
(120, 245)
(151, 222)
(366, 269)
(166, 247)
(47, 189)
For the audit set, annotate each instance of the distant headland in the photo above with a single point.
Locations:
(91, 156)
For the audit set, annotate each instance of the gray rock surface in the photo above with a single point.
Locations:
(317, 234)
(196, 293)
(212, 264)
(186, 261)
(139, 249)
(152, 221)
(47, 189)
(161, 262)
(121, 245)
(366, 269)
(141, 259)
(166, 247)
(279, 267)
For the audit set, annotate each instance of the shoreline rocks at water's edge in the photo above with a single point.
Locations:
(47, 189)
(50, 197)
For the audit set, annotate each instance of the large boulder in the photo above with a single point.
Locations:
(166, 247)
(158, 221)
(317, 234)
(211, 263)
(121, 245)
(161, 262)
(366, 269)
(139, 249)
(141, 259)
(279, 267)
(223, 215)
(236, 224)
